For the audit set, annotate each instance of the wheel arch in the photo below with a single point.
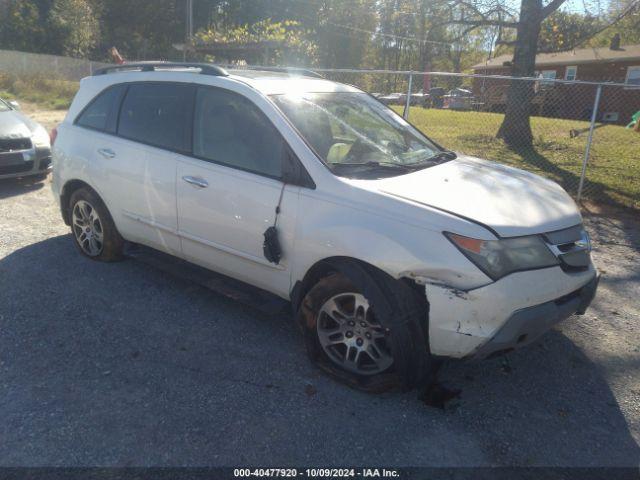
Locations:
(394, 299)
(68, 189)
(326, 266)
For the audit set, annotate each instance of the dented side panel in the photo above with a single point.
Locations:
(460, 322)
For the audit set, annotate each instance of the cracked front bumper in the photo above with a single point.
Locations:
(507, 314)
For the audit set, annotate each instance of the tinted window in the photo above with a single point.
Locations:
(230, 129)
(101, 114)
(157, 114)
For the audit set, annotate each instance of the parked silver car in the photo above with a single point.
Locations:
(25, 147)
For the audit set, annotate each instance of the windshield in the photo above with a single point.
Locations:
(3, 106)
(353, 132)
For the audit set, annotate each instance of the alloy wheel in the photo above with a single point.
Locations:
(87, 228)
(351, 336)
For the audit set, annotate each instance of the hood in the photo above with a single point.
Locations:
(15, 125)
(510, 201)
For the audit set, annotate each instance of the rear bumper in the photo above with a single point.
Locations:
(506, 314)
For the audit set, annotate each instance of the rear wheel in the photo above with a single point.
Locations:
(92, 227)
(366, 330)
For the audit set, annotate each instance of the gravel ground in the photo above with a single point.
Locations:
(124, 364)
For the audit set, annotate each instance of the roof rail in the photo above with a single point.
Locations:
(205, 68)
(305, 72)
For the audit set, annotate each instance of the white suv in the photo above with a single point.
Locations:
(393, 251)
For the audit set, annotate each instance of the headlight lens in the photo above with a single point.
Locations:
(40, 137)
(498, 258)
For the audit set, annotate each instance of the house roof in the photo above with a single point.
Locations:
(572, 57)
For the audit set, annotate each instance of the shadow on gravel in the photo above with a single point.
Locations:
(11, 187)
(545, 405)
(123, 364)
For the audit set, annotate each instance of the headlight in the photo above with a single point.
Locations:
(40, 137)
(498, 258)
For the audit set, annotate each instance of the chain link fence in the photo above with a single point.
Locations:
(570, 131)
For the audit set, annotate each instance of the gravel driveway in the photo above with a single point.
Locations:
(124, 364)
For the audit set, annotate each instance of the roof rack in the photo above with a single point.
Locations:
(205, 68)
(305, 72)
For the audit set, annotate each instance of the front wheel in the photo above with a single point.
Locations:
(368, 333)
(92, 227)
(351, 336)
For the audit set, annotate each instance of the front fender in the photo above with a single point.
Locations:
(395, 246)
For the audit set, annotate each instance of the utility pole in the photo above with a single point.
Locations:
(188, 29)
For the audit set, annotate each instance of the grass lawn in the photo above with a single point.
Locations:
(49, 93)
(613, 171)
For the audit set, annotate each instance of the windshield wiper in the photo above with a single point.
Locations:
(433, 159)
(405, 167)
(372, 164)
(443, 155)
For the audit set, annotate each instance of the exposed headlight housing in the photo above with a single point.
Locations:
(498, 258)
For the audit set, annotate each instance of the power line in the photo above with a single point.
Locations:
(388, 35)
(378, 34)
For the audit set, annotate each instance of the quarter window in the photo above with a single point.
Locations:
(157, 114)
(102, 112)
(229, 129)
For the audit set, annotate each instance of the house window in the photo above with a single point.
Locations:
(546, 75)
(570, 73)
(549, 75)
(633, 76)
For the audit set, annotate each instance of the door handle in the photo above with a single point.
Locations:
(106, 152)
(196, 181)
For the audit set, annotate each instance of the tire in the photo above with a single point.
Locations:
(394, 309)
(92, 227)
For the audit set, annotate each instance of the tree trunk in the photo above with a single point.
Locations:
(516, 128)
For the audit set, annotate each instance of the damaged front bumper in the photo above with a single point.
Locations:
(507, 314)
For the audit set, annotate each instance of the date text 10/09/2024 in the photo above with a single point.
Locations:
(316, 472)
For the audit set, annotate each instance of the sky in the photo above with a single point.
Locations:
(594, 7)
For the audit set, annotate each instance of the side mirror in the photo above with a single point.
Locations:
(15, 105)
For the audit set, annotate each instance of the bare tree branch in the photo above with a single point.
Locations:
(551, 7)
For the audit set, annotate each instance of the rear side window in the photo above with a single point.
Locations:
(158, 114)
(102, 113)
(229, 129)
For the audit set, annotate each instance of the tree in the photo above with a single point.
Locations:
(142, 30)
(74, 27)
(341, 47)
(21, 27)
(623, 18)
(265, 42)
(563, 30)
(516, 128)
